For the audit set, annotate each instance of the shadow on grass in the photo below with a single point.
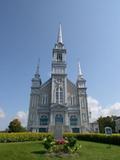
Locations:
(44, 152)
(39, 152)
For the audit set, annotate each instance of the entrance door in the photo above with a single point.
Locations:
(59, 119)
(43, 129)
(75, 130)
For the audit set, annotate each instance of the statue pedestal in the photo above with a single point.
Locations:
(58, 131)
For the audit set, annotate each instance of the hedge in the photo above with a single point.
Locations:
(23, 136)
(28, 136)
(100, 138)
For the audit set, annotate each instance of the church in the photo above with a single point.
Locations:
(58, 101)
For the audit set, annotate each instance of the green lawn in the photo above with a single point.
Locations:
(35, 151)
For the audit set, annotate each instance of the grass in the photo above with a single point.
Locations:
(35, 151)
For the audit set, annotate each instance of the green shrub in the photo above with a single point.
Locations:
(28, 136)
(72, 141)
(23, 136)
(101, 138)
(47, 142)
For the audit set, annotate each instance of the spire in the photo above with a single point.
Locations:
(80, 74)
(79, 69)
(36, 80)
(80, 78)
(38, 67)
(59, 38)
(37, 74)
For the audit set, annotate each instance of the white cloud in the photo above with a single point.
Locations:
(2, 113)
(22, 116)
(94, 108)
(97, 110)
(112, 110)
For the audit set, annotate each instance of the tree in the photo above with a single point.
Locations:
(15, 126)
(106, 122)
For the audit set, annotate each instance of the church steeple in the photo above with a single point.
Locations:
(59, 37)
(58, 74)
(36, 81)
(59, 55)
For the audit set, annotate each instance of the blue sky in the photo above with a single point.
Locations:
(28, 31)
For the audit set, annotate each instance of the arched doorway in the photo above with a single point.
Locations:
(58, 119)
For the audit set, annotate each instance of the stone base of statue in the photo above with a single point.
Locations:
(58, 131)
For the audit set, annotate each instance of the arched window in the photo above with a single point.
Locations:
(69, 100)
(59, 57)
(44, 120)
(74, 100)
(83, 116)
(59, 95)
(58, 119)
(73, 120)
(44, 99)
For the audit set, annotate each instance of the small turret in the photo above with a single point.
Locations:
(36, 81)
(82, 100)
(80, 79)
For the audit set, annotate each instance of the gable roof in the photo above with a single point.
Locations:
(71, 83)
(46, 83)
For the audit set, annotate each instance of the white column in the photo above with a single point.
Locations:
(51, 119)
(52, 91)
(65, 90)
(66, 119)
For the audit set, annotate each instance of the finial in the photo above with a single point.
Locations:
(59, 38)
(38, 66)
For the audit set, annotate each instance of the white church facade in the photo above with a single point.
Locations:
(58, 100)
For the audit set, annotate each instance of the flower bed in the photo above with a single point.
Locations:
(64, 145)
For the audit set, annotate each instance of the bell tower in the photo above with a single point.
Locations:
(34, 100)
(58, 74)
(82, 101)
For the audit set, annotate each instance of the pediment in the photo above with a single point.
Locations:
(58, 107)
